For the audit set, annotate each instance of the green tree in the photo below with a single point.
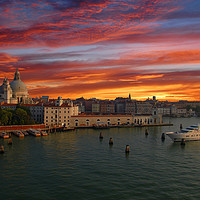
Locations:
(9, 113)
(5, 118)
(19, 116)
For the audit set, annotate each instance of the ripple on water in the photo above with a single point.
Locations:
(77, 165)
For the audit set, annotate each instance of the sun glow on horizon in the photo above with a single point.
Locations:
(76, 48)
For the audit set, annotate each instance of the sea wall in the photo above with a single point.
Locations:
(21, 127)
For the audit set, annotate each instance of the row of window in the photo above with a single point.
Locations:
(56, 111)
(56, 108)
(56, 117)
(136, 120)
(55, 120)
(87, 120)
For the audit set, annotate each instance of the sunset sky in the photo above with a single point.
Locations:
(103, 48)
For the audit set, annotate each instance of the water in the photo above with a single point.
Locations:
(77, 165)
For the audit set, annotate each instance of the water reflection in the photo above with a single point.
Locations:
(61, 164)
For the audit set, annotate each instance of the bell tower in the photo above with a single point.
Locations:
(7, 90)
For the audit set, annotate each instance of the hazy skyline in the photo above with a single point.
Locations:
(103, 49)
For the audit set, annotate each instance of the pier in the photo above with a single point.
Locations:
(42, 127)
(54, 129)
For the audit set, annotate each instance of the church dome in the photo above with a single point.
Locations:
(18, 87)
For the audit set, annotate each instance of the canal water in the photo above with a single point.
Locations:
(77, 165)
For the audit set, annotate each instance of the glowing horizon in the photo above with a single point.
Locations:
(103, 49)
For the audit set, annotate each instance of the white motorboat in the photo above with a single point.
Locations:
(191, 133)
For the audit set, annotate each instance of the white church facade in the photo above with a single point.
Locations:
(14, 92)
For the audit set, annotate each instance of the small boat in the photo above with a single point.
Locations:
(4, 135)
(25, 133)
(43, 133)
(191, 133)
(34, 132)
(18, 134)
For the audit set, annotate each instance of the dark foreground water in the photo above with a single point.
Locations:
(77, 165)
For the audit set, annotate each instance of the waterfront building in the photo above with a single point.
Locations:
(107, 107)
(100, 120)
(166, 111)
(130, 107)
(120, 104)
(96, 107)
(181, 112)
(114, 120)
(143, 107)
(10, 106)
(88, 105)
(14, 92)
(37, 112)
(59, 115)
